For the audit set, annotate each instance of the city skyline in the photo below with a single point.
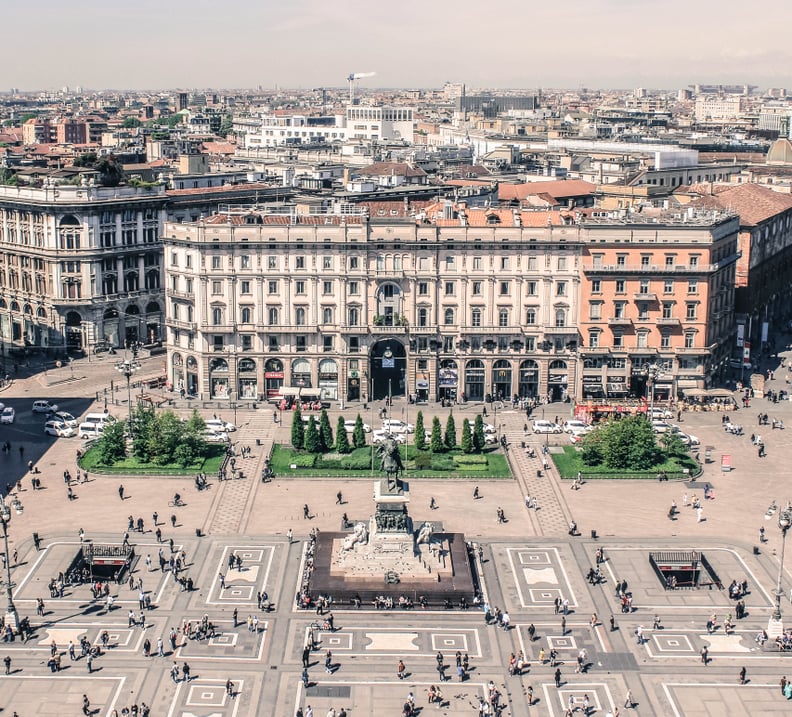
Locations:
(306, 44)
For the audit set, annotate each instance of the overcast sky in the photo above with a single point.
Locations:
(409, 43)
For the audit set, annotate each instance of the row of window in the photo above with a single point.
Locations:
(382, 263)
(620, 310)
(644, 286)
(642, 340)
(246, 315)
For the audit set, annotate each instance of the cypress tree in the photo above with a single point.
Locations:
(358, 435)
(297, 429)
(478, 434)
(325, 431)
(467, 437)
(436, 441)
(420, 432)
(450, 438)
(342, 440)
(313, 442)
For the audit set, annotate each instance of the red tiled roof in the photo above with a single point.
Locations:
(753, 202)
(282, 220)
(398, 169)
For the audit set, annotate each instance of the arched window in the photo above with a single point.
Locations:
(299, 316)
(380, 263)
(247, 315)
(475, 317)
(272, 317)
(354, 316)
(327, 315)
(560, 317)
(217, 316)
(397, 263)
(423, 317)
(503, 317)
(448, 317)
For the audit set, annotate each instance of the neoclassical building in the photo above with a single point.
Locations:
(472, 304)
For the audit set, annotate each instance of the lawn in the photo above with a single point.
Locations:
(418, 464)
(132, 466)
(569, 463)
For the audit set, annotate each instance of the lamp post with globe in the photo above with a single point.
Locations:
(11, 616)
(784, 523)
(126, 368)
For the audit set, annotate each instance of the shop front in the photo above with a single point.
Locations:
(529, 379)
(328, 379)
(246, 377)
(192, 376)
(273, 377)
(557, 380)
(592, 386)
(474, 380)
(616, 387)
(447, 380)
(353, 385)
(422, 386)
(301, 373)
(502, 380)
(219, 377)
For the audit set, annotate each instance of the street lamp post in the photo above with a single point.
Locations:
(651, 371)
(784, 523)
(11, 616)
(126, 368)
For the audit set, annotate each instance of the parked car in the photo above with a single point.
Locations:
(395, 426)
(489, 428)
(658, 413)
(349, 426)
(542, 426)
(216, 437)
(576, 437)
(59, 429)
(687, 438)
(88, 430)
(7, 416)
(44, 407)
(66, 418)
(99, 419)
(380, 436)
(218, 425)
(575, 425)
(660, 426)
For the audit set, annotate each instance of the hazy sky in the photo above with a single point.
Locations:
(408, 43)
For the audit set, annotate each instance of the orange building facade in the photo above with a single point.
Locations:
(656, 304)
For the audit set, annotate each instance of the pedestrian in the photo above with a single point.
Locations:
(339, 498)
(7, 663)
(306, 656)
(557, 676)
(160, 647)
(329, 663)
(86, 705)
(305, 679)
(742, 676)
(289, 535)
(221, 577)
(783, 684)
(704, 655)
(229, 688)
(401, 670)
(628, 700)
(175, 673)
(121, 492)
(89, 663)
(173, 521)
(699, 514)
(306, 512)
(155, 517)
(563, 625)
(476, 494)
(432, 504)
(186, 672)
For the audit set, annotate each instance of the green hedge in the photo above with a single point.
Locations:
(470, 460)
(443, 463)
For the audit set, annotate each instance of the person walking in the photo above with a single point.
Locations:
(121, 492)
(289, 535)
(742, 676)
(7, 663)
(89, 663)
(628, 700)
(329, 662)
(306, 512)
(186, 672)
(339, 498)
(401, 670)
(557, 676)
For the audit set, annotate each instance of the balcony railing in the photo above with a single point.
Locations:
(176, 324)
(619, 321)
(645, 296)
(668, 321)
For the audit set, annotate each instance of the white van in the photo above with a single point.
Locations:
(90, 430)
(100, 419)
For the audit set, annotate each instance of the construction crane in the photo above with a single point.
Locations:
(354, 77)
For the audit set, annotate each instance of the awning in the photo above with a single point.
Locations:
(694, 392)
(720, 393)
(687, 383)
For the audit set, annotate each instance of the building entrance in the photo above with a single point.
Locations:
(388, 364)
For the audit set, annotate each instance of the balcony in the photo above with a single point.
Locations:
(185, 325)
(620, 321)
(647, 296)
(557, 330)
(217, 328)
(428, 329)
(668, 321)
(478, 330)
(654, 268)
(173, 294)
(382, 329)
